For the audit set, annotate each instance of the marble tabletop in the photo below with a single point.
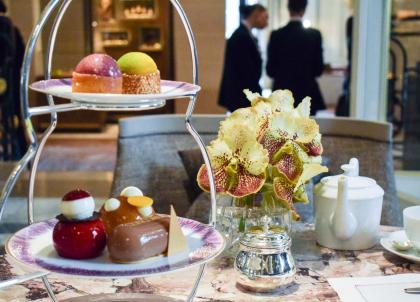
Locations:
(314, 265)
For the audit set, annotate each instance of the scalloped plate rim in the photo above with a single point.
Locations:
(115, 99)
(36, 267)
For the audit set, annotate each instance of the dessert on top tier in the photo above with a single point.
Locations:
(79, 233)
(140, 73)
(97, 73)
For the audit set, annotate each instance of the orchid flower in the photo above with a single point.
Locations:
(284, 127)
(238, 161)
(287, 191)
(270, 147)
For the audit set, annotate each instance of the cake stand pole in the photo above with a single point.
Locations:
(194, 133)
(26, 68)
(22, 278)
(53, 121)
(49, 289)
(191, 106)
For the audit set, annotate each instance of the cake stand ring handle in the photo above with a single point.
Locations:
(53, 120)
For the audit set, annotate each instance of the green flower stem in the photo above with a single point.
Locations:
(246, 201)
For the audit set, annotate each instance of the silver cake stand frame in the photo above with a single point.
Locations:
(37, 144)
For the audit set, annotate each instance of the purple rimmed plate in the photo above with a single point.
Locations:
(33, 246)
(62, 88)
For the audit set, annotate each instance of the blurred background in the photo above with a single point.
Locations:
(84, 142)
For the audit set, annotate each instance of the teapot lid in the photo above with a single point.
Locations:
(351, 170)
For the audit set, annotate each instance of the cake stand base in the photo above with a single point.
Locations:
(122, 298)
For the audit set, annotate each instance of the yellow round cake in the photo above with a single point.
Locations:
(140, 73)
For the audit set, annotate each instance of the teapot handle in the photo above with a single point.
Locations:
(352, 168)
(342, 222)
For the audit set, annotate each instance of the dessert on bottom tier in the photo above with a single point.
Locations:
(79, 233)
(139, 240)
(140, 74)
(150, 235)
(129, 226)
(130, 206)
(97, 73)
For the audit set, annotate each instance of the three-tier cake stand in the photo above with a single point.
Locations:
(102, 103)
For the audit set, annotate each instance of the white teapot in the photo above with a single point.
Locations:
(348, 210)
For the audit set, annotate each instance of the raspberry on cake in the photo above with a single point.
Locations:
(140, 73)
(97, 73)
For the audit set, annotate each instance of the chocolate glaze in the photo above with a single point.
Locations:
(136, 241)
(62, 218)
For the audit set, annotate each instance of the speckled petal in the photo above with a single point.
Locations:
(253, 158)
(219, 153)
(220, 176)
(247, 184)
(282, 101)
(314, 147)
(289, 162)
(272, 143)
(283, 190)
(243, 117)
(235, 136)
(309, 171)
(299, 129)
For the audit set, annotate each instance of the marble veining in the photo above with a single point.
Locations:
(314, 265)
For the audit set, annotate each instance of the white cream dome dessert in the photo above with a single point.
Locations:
(77, 205)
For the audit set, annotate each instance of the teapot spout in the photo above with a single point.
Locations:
(342, 222)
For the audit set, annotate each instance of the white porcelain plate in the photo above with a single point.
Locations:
(62, 88)
(387, 243)
(33, 246)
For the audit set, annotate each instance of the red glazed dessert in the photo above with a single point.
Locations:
(97, 73)
(79, 234)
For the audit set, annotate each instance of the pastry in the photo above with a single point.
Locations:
(97, 73)
(79, 233)
(132, 242)
(140, 73)
(130, 206)
(137, 241)
(140, 240)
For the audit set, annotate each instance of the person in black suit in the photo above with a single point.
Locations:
(295, 57)
(12, 50)
(243, 63)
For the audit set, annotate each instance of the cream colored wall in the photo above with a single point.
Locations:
(25, 14)
(208, 23)
(70, 44)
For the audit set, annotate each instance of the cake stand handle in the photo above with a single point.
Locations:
(191, 39)
(194, 133)
(22, 278)
(49, 289)
(50, 99)
(26, 68)
(33, 148)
